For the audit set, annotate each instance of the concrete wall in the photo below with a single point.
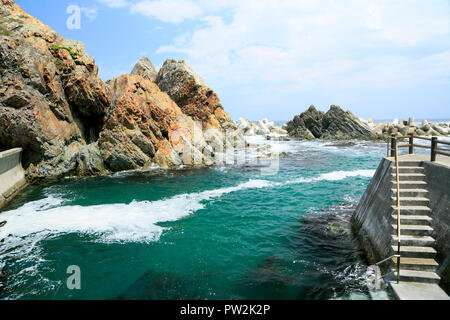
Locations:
(12, 175)
(372, 219)
(438, 180)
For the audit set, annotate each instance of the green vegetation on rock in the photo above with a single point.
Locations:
(4, 31)
(72, 54)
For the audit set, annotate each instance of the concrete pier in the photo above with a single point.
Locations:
(12, 175)
(425, 232)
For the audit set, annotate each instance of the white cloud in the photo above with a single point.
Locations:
(299, 45)
(172, 11)
(115, 3)
(312, 44)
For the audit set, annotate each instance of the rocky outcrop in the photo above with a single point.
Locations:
(69, 122)
(144, 68)
(335, 124)
(52, 102)
(147, 126)
(199, 102)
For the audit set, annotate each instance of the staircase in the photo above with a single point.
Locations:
(417, 263)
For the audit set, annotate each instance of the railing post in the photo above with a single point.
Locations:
(411, 145)
(393, 146)
(434, 141)
(388, 148)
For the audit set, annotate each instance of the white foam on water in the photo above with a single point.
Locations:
(336, 176)
(134, 222)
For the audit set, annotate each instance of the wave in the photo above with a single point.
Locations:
(133, 222)
(136, 222)
(336, 176)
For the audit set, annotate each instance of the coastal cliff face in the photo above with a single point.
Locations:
(69, 122)
(335, 124)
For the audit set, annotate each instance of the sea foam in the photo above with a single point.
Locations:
(133, 222)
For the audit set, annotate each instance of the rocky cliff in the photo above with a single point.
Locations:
(335, 124)
(69, 122)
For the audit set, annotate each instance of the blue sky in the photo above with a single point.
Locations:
(270, 58)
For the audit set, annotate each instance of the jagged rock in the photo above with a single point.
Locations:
(146, 125)
(51, 99)
(343, 124)
(335, 124)
(69, 122)
(198, 101)
(144, 68)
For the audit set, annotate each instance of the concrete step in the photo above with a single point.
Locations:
(416, 252)
(418, 291)
(413, 230)
(408, 169)
(410, 185)
(409, 177)
(413, 240)
(412, 210)
(411, 201)
(413, 220)
(409, 163)
(411, 192)
(418, 276)
(418, 264)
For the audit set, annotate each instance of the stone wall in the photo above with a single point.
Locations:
(12, 175)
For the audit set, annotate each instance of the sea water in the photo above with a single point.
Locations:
(225, 232)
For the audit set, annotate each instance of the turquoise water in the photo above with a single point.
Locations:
(229, 232)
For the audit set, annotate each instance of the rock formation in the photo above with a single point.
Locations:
(335, 124)
(69, 122)
(145, 68)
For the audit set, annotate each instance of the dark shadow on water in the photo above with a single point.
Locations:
(328, 262)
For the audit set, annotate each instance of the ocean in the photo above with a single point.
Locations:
(234, 231)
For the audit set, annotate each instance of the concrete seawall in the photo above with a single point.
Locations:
(373, 220)
(12, 175)
(438, 180)
(373, 216)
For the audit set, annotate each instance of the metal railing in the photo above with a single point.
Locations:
(397, 179)
(392, 145)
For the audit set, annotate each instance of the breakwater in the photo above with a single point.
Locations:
(373, 218)
(12, 175)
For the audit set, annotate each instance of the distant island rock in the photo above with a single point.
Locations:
(334, 125)
(70, 123)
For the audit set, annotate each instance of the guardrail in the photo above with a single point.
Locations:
(435, 149)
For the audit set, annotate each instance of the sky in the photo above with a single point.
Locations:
(380, 59)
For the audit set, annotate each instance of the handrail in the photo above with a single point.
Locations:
(387, 259)
(398, 212)
(435, 150)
